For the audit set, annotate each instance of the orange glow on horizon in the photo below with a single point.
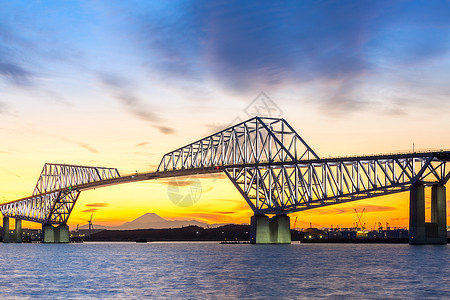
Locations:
(220, 203)
(133, 150)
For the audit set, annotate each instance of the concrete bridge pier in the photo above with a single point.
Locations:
(16, 236)
(18, 231)
(417, 214)
(438, 215)
(421, 232)
(62, 233)
(59, 234)
(265, 230)
(6, 236)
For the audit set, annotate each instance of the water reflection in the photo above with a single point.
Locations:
(211, 270)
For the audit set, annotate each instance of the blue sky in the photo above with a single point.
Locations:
(345, 46)
(165, 63)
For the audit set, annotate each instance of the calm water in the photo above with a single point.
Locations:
(211, 270)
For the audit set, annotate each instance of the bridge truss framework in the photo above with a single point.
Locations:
(55, 193)
(273, 168)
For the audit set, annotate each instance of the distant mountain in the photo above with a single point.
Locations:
(149, 221)
(148, 218)
(152, 220)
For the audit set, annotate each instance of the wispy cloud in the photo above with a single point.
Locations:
(123, 90)
(87, 147)
(14, 73)
(225, 212)
(341, 47)
(83, 145)
(12, 69)
(165, 129)
(142, 144)
(100, 204)
(93, 207)
(246, 44)
(4, 108)
(23, 56)
(343, 53)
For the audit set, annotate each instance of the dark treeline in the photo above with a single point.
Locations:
(189, 233)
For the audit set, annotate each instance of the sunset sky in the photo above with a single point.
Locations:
(118, 84)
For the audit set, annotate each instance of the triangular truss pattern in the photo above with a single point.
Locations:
(254, 141)
(269, 163)
(53, 197)
(285, 188)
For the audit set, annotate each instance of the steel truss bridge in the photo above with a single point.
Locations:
(272, 167)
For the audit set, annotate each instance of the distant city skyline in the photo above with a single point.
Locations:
(121, 84)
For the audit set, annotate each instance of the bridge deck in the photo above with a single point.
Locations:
(125, 179)
(441, 155)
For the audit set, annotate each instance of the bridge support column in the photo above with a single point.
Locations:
(59, 234)
(439, 214)
(48, 233)
(259, 230)
(417, 214)
(18, 232)
(275, 230)
(62, 234)
(15, 237)
(6, 237)
(280, 229)
(421, 232)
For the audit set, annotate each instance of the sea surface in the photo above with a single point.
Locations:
(213, 271)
